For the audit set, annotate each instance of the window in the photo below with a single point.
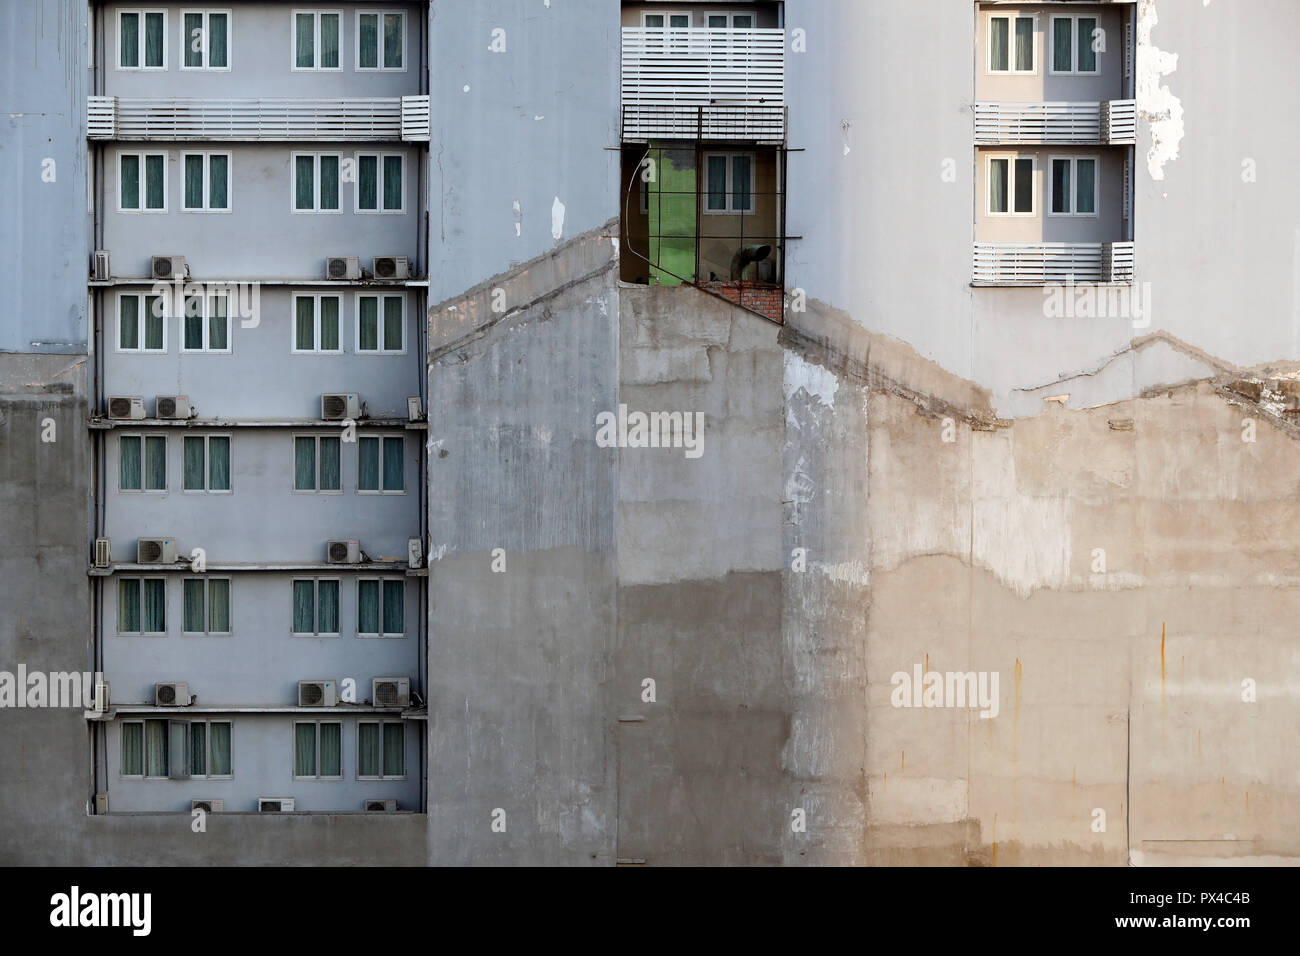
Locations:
(1011, 44)
(380, 37)
(729, 183)
(142, 463)
(731, 21)
(142, 39)
(381, 607)
(655, 21)
(1075, 42)
(207, 182)
(381, 750)
(210, 748)
(315, 182)
(318, 750)
(142, 606)
(142, 182)
(207, 463)
(316, 323)
(381, 321)
(1073, 186)
(205, 326)
(316, 40)
(145, 748)
(316, 606)
(381, 465)
(379, 183)
(141, 323)
(206, 606)
(1011, 181)
(317, 463)
(205, 39)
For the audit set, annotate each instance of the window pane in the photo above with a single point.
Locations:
(393, 323)
(394, 751)
(304, 750)
(1087, 55)
(367, 607)
(193, 331)
(394, 607)
(219, 605)
(331, 750)
(219, 463)
(218, 323)
(1024, 184)
(219, 742)
(331, 471)
(129, 45)
(717, 179)
(1062, 43)
(654, 20)
(742, 21)
(128, 323)
(304, 336)
(130, 167)
(393, 40)
(302, 182)
(1060, 185)
(717, 22)
(193, 181)
(304, 42)
(154, 171)
(998, 185)
(368, 464)
(368, 319)
(327, 596)
(132, 749)
(155, 748)
(193, 610)
(304, 464)
(329, 182)
(194, 464)
(218, 181)
(217, 33)
(198, 748)
(303, 607)
(392, 182)
(368, 750)
(1024, 43)
(679, 21)
(367, 184)
(155, 605)
(329, 40)
(368, 48)
(192, 39)
(128, 605)
(329, 323)
(998, 32)
(128, 463)
(1087, 184)
(153, 39)
(155, 463)
(153, 322)
(394, 479)
(740, 183)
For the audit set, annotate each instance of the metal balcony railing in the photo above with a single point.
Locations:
(1039, 263)
(1109, 122)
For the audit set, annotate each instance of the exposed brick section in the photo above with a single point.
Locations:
(767, 300)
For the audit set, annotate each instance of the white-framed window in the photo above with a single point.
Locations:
(141, 182)
(318, 750)
(1072, 186)
(141, 322)
(317, 326)
(381, 41)
(205, 182)
(381, 465)
(206, 463)
(205, 39)
(145, 746)
(317, 463)
(381, 750)
(205, 326)
(142, 606)
(210, 749)
(729, 21)
(142, 39)
(314, 183)
(316, 607)
(205, 606)
(380, 183)
(381, 323)
(381, 607)
(1011, 43)
(1075, 44)
(1009, 182)
(658, 21)
(728, 183)
(141, 463)
(315, 39)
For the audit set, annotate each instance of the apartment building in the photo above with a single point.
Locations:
(257, 176)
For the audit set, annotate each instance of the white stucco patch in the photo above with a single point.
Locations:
(817, 380)
(557, 219)
(1162, 110)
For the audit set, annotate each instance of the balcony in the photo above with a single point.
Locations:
(371, 119)
(1041, 263)
(699, 84)
(1109, 122)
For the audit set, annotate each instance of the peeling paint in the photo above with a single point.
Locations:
(1163, 110)
(557, 219)
(816, 380)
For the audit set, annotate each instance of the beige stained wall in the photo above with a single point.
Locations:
(1044, 85)
(1108, 225)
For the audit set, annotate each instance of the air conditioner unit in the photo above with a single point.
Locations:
(168, 267)
(391, 692)
(173, 406)
(343, 267)
(318, 693)
(414, 553)
(275, 804)
(392, 267)
(101, 803)
(343, 552)
(126, 407)
(413, 410)
(379, 806)
(336, 406)
(208, 805)
(103, 553)
(101, 697)
(101, 271)
(171, 695)
(155, 550)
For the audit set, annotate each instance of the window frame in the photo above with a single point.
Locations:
(143, 437)
(379, 297)
(141, 312)
(381, 634)
(1074, 46)
(315, 13)
(315, 209)
(293, 752)
(1011, 17)
(207, 631)
(206, 348)
(1034, 199)
(139, 580)
(381, 437)
(316, 322)
(382, 775)
(141, 40)
(207, 155)
(380, 176)
(1073, 195)
(142, 186)
(207, 488)
(205, 12)
(207, 745)
(316, 580)
(144, 773)
(293, 474)
(729, 193)
(379, 43)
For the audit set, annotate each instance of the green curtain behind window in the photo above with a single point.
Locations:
(1087, 56)
(155, 605)
(1062, 43)
(716, 174)
(368, 52)
(367, 607)
(305, 323)
(1024, 43)
(331, 472)
(394, 751)
(367, 184)
(393, 323)
(194, 463)
(153, 39)
(218, 463)
(741, 177)
(218, 323)
(328, 599)
(155, 748)
(132, 749)
(393, 41)
(130, 167)
(998, 185)
(1086, 177)
(193, 615)
(128, 463)
(1024, 185)
(218, 181)
(304, 750)
(155, 463)
(304, 42)
(193, 331)
(998, 33)
(394, 607)
(128, 605)
(302, 179)
(154, 171)
(219, 605)
(304, 464)
(192, 39)
(331, 750)
(368, 464)
(219, 744)
(367, 750)
(329, 322)
(153, 322)
(198, 748)
(129, 46)
(329, 40)
(329, 182)
(394, 479)
(217, 42)
(303, 609)
(368, 321)
(1060, 185)
(128, 322)
(392, 182)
